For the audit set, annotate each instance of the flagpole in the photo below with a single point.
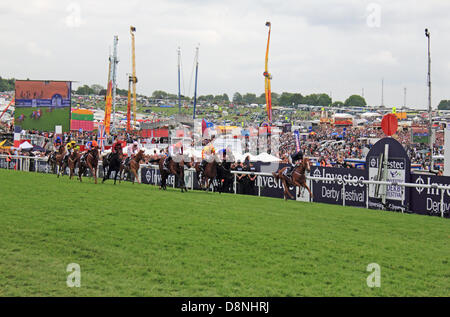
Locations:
(267, 78)
(196, 74)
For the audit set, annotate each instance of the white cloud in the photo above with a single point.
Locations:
(382, 58)
(73, 18)
(36, 50)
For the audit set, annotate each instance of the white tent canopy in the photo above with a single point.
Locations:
(371, 115)
(25, 146)
(266, 157)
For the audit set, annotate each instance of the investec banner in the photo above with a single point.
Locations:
(152, 176)
(396, 173)
(399, 169)
(331, 192)
(427, 201)
(271, 187)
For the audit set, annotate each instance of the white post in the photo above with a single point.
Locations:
(259, 186)
(385, 173)
(367, 196)
(442, 203)
(235, 185)
(343, 192)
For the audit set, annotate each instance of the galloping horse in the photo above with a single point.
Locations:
(52, 161)
(73, 159)
(133, 166)
(175, 168)
(90, 162)
(298, 178)
(208, 175)
(113, 162)
(59, 161)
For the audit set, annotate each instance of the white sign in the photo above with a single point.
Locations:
(58, 129)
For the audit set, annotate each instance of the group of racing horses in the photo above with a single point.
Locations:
(216, 169)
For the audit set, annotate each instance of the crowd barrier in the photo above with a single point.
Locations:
(431, 194)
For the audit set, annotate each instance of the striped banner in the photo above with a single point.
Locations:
(297, 140)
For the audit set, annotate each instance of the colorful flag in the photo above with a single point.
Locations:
(101, 136)
(297, 140)
(108, 106)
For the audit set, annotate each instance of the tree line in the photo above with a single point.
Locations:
(286, 99)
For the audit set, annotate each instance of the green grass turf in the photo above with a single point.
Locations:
(135, 240)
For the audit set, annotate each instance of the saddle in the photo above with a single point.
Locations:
(83, 157)
(166, 163)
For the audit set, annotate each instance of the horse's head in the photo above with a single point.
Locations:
(140, 155)
(306, 164)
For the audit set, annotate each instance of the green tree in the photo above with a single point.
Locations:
(159, 94)
(249, 98)
(337, 104)
(324, 100)
(237, 98)
(7, 84)
(84, 90)
(444, 105)
(355, 101)
(96, 88)
(296, 99)
(285, 99)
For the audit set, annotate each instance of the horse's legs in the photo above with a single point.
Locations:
(106, 176)
(309, 190)
(120, 173)
(286, 190)
(80, 171)
(115, 176)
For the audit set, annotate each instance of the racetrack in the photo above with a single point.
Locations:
(135, 240)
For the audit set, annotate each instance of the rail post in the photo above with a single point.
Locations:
(343, 192)
(442, 203)
(234, 184)
(259, 186)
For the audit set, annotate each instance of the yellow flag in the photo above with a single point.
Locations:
(394, 109)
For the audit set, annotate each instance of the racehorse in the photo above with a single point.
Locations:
(91, 162)
(175, 168)
(52, 161)
(73, 159)
(298, 178)
(132, 167)
(208, 175)
(60, 163)
(112, 162)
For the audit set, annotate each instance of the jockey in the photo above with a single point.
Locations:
(117, 146)
(174, 149)
(91, 145)
(132, 150)
(69, 147)
(293, 159)
(88, 145)
(58, 142)
(207, 152)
